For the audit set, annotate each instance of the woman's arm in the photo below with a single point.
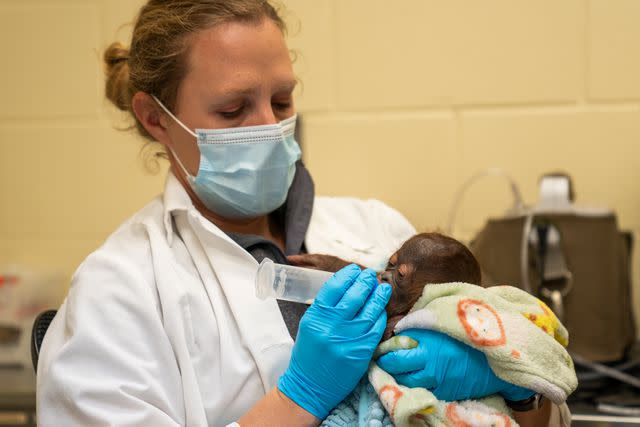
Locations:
(333, 349)
(276, 409)
(106, 359)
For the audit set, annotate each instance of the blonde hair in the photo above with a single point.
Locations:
(157, 60)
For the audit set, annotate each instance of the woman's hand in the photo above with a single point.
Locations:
(336, 340)
(449, 368)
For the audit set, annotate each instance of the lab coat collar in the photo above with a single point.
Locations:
(234, 269)
(297, 209)
(175, 199)
(260, 321)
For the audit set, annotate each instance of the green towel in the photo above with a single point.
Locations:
(523, 340)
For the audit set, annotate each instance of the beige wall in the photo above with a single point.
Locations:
(401, 101)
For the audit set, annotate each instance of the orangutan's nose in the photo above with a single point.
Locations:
(387, 277)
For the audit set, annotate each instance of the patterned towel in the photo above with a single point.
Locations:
(523, 340)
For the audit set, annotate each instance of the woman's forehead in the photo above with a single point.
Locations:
(238, 56)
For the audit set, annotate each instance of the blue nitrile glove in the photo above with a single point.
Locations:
(336, 340)
(451, 369)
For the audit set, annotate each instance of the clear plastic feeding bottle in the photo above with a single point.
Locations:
(289, 283)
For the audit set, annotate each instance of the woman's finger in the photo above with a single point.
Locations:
(417, 379)
(334, 289)
(377, 330)
(355, 297)
(376, 304)
(401, 361)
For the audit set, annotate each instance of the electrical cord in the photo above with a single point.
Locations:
(518, 204)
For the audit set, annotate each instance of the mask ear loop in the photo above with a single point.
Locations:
(166, 110)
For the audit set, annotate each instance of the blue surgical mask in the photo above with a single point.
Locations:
(244, 172)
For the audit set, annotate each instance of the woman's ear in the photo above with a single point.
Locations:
(151, 116)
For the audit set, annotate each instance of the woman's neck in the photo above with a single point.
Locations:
(264, 226)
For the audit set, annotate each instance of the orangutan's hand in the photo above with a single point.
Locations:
(319, 262)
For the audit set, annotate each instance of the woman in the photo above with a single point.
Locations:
(161, 326)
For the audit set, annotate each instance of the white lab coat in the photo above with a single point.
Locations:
(161, 326)
(364, 231)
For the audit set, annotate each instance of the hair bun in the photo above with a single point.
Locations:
(116, 60)
(117, 75)
(115, 54)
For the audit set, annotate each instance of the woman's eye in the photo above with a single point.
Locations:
(282, 106)
(232, 114)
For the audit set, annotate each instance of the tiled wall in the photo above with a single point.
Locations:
(405, 99)
(68, 178)
(410, 98)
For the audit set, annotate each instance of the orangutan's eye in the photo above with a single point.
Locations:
(403, 271)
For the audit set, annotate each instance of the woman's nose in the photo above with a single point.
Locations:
(264, 116)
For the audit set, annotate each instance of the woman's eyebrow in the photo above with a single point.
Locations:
(232, 92)
(229, 93)
(288, 86)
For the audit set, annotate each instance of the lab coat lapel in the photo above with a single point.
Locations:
(260, 322)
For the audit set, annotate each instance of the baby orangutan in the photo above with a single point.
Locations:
(426, 258)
